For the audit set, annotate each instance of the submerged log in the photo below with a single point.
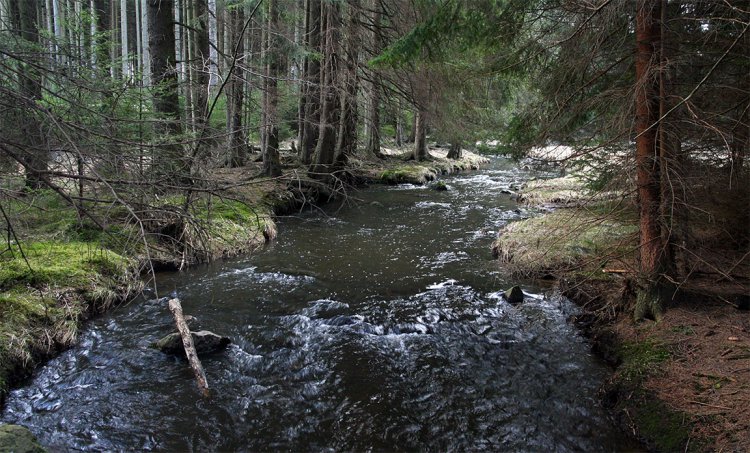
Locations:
(187, 341)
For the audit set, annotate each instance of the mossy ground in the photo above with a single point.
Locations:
(587, 241)
(48, 288)
(394, 169)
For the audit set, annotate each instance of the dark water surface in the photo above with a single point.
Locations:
(373, 326)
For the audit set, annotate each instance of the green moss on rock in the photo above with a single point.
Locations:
(18, 439)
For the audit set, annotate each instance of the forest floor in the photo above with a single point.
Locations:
(680, 384)
(58, 268)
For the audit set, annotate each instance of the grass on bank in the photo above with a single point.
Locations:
(394, 170)
(564, 241)
(66, 268)
(47, 289)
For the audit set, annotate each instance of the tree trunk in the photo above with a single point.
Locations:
(311, 122)
(271, 160)
(146, 58)
(138, 42)
(58, 14)
(103, 28)
(213, 54)
(373, 106)
(235, 94)
(323, 158)
(35, 157)
(300, 42)
(652, 248)
(164, 78)
(125, 55)
(346, 144)
(201, 63)
(455, 151)
(420, 135)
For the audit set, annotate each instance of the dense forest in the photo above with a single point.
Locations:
(158, 130)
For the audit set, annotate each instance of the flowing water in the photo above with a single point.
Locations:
(375, 325)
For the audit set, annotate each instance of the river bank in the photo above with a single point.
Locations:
(680, 384)
(66, 270)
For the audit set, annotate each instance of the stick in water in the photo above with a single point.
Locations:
(187, 341)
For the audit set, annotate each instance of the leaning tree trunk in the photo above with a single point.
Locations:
(652, 248)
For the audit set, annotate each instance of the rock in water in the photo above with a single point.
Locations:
(440, 186)
(18, 439)
(205, 343)
(514, 295)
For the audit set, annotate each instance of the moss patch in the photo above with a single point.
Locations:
(413, 174)
(49, 292)
(639, 359)
(661, 427)
(563, 240)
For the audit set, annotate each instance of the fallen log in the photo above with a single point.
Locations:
(187, 341)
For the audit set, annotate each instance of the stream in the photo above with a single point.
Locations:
(372, 325)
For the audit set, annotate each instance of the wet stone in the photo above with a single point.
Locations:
(514, 295)
(205, 343)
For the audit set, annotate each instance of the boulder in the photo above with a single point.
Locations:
(18, 439)
(514, 295)
(205, 343)
(440, 186)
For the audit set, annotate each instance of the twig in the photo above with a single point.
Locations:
(710, 405)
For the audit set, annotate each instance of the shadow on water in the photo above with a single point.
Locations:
(375, 326)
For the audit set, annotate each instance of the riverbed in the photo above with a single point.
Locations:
(371, 324)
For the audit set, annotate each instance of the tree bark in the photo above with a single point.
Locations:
(346, 144)
(420, 134)
(201, 63)
(164, 79)
(399, 126)
(323, 158)
(236, 88)
(652, 247)
(373, 106)
(311, 121)
(124, 54)
(146, 58)
(455, 151)
(213, 66)
(35, 157)
(271, 160)
(187, 341)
